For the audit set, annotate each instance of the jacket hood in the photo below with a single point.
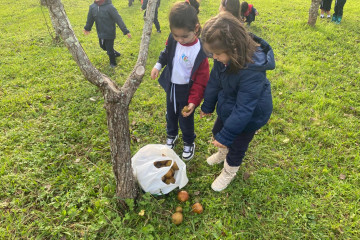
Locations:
(264, 56)
(103, 2)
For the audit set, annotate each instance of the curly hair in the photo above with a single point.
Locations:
(226, 34)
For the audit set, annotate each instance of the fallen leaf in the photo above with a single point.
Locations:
(196, 193)
(286, 140)
(142, 212)
(246, 176)
(342, 176)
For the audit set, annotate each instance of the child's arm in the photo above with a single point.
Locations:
(255, 11)
(162, 61)
(89, 22)
(144, 4)
(211, 91)
(201, 78)
(117, 18)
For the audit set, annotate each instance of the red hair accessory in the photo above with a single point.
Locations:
(187, 1)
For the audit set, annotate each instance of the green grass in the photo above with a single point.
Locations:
(56, 179)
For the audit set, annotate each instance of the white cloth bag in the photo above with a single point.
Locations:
(149, 176)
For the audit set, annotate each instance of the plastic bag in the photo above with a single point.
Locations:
(149, 176)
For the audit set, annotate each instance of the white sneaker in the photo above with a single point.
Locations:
(171, 140)
(188, 152)
(224, 179)
(218, 157)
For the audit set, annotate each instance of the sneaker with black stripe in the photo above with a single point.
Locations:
(171, 140)
(188, 152)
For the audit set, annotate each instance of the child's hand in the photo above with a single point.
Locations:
(217, 144)
(202, 114)
(190, 109)
(154, 73)
(128, 35)
(86, 32)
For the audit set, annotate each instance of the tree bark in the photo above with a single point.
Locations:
(313, 12)
(57, 34)
(116, 99)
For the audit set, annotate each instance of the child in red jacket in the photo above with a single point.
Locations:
(248, 12)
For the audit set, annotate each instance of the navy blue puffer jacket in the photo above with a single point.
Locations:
(244, 101)
(105, 17)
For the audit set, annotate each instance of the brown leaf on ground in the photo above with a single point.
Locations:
(246, 176)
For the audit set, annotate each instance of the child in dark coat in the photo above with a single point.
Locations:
(248, 12)
(239, 89)
(105, 16)
(156, 21)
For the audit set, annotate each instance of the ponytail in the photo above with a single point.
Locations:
(195, 4)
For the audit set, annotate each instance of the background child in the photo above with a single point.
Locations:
(338, 11)
(105, 15)
(156, 21)
(325, 6)
(231, 6)
(238, 87)
(248, 12)
(185, 76)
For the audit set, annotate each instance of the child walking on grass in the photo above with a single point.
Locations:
(239, 89)
(185, 76)
(105, 15)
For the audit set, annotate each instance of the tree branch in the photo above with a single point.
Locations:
(63, 27)
(136, 76)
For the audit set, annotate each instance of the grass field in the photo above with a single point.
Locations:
(299, 180)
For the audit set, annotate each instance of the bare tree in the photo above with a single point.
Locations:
(117, 99)
(313, 12)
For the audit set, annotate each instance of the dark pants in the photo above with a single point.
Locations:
(339, 6)
(156, 21)
(108, 46)
(326, 5)
(239, 146)
(130, 2)
(175, 118)
(250, 18)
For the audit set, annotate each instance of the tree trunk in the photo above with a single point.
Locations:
(313, 12)
(57, 34)
(116, 99)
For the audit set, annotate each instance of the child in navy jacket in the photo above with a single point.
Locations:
(185, 76)
(239, 89)
(105, 15)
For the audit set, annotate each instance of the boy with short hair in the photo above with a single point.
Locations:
(105, 15)
(248, 12)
